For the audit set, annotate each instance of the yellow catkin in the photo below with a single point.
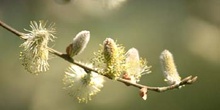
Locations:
(113, 58)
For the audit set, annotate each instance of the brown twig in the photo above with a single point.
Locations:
(12, 30)
(186, 81)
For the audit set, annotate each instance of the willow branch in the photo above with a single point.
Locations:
(186, 81)
(12, 30)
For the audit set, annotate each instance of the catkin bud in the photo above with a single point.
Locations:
(133, 69)
(169, 68)
(110, 50)
(114, 58)
(79, 43)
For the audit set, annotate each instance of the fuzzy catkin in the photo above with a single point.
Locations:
(169, 68)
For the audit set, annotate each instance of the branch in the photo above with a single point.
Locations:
(12, 30)
(186, 81)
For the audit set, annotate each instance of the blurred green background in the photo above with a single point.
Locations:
(190, 29)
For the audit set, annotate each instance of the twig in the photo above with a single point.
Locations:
(12, 30)
(186, 81)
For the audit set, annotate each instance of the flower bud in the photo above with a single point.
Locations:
(169, 68)
(110, 50)
(143, 93)
(79, 43)
(114, 58)
(133, 65)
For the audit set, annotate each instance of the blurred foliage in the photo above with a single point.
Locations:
(188, 28)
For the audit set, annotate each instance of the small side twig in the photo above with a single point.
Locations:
(186, 81)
